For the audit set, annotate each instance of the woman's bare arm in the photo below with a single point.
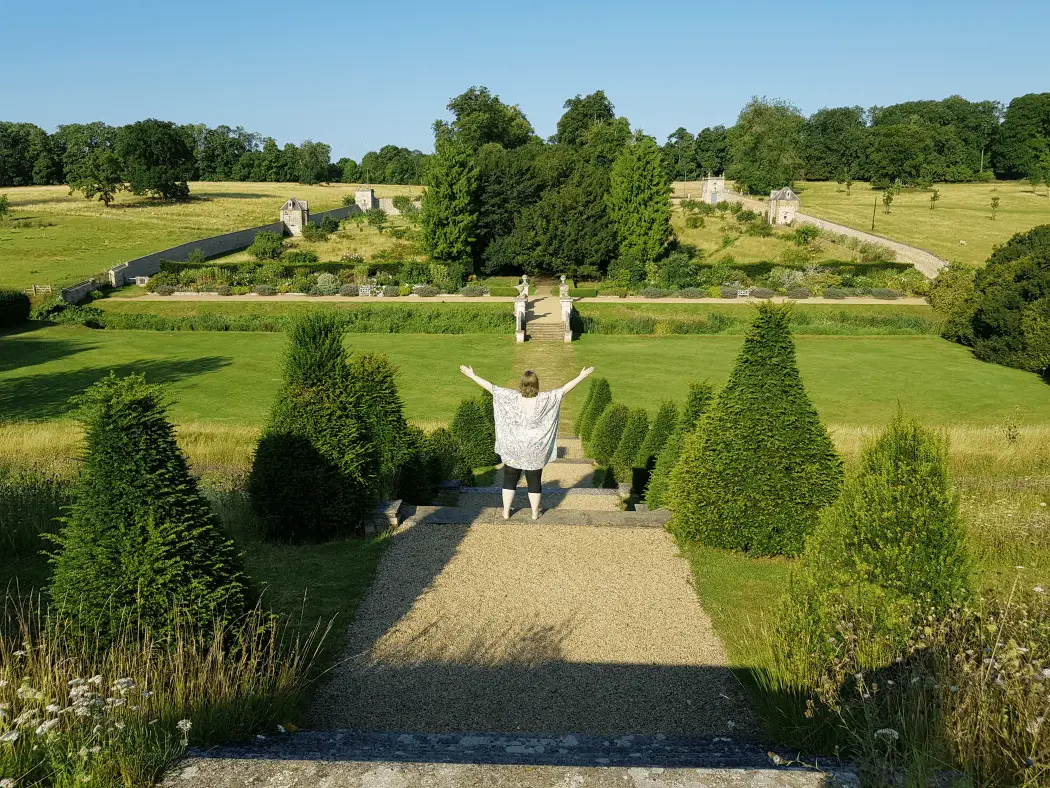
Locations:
(469, 372)
(584, 373)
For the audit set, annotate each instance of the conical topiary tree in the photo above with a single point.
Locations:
(634, 433)
(140, 540)
(474, 426)
(701, 395)
(607, 433)
(896, 524)
(583, 410)
(659, 431)
(598, 399)
(762, 466)
(372, 380)
(315, 468)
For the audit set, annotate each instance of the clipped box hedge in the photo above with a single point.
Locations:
(14, 308)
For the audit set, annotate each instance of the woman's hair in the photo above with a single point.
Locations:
(530, 384)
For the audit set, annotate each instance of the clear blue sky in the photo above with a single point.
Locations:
(358, 75)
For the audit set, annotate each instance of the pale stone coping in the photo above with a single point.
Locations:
(459, 299)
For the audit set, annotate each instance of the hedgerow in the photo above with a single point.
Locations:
(372, 380)
(140, 539)
(757, 474)
(14, 308)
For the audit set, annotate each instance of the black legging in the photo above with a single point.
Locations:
(532, 478)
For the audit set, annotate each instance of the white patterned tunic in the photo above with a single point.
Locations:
(526, 427)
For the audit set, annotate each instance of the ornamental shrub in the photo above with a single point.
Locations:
(762, 292)
(372, 380)
(692, 292)
(701, 395)
(348, 291)
(14, 308)
(798, 293)
(264, 290)
(634, 433)
(474, 427)
(314, 473)
(472, 291)
(267, 246)
(428, 291)
(896, 525)
(885, 293)
(300, 257)
(757, 474)
(140, 538)
(164, 290)
(659, 431)
(224, 290)
(607, 433)
(391, 291)
(727, 292)
(328, 284)
(834, 292)
(654, 292)
(431, 459)
(599, 395)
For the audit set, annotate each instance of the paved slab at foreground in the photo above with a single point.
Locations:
(523, 627)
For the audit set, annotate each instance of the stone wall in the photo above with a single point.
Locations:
(335, 213)
(77, 293)
(387, 204)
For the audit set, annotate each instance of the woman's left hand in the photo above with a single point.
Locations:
(468, 371)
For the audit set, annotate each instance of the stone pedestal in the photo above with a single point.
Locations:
(520, 305)
(566, 317)
(385, 516)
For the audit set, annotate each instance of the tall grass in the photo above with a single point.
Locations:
(72, 713)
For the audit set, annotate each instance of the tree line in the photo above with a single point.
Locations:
(593, 199)
(102, 156)
(915, 142)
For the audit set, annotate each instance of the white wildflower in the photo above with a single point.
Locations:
(52, 708)
(7, 782)
(1038, 589)
(777, 760)
(136, 708)
(184, 725)
(1018, 567)
(123, 685)
(19, 653)
(116, 703)
(1046, 673)
(9, 738)
(953, 689)
(96, 680)
(3, 682)
(260, 737)
(73, 683)
(46, 727)
(281, 729)
(118, 725)
(27, 717)
(889, 734)
(146, 693)
(25, 692)
(1034, 725)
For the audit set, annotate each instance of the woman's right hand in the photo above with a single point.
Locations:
(468, 371)
(586, 371)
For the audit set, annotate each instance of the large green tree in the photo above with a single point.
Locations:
(765, 146)
(639, 201)
(834, 143)
(481, 118)
(157, 158)
(1024, 139)
(449, 212)
(712, 150)
(581, 114)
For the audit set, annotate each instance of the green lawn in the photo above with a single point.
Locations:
(85, 238)
(232, 377)
(963, 213)
(225, 377)
(852, 380)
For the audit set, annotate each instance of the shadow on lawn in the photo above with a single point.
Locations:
(46, 396)
(22, 348)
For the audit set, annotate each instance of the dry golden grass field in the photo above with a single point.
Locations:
(963, 213)
(51, 237)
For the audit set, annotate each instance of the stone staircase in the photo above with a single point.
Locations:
(543, 320)
(569, 498)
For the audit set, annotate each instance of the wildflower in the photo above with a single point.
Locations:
(1018, 567)
(118, 725)
(96, 680)
(184, 725)
(25, 692)
(27, 717)
(19, 653)
(52, 708)
(1038, 589)
(146, 693)
(777, 760)
(9, 738)
(3, 682)
(74, 683)
(281, 729)
(45, 727)
(832, 641)
(889, 734)
(1034, 725)
(7, 782)
(1046, 673)
(123, 685)
(891, 683)
(953, 689)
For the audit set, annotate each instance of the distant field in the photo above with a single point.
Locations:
(86, 238)
(232, 377)
(963, 213)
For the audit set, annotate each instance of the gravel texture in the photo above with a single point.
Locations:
(537, 628)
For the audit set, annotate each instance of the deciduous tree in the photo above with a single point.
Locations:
(639, 201)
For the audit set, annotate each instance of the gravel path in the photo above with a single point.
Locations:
(535, 628)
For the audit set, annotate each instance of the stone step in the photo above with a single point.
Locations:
(344, 757)
(460, 515)
(589, 499)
